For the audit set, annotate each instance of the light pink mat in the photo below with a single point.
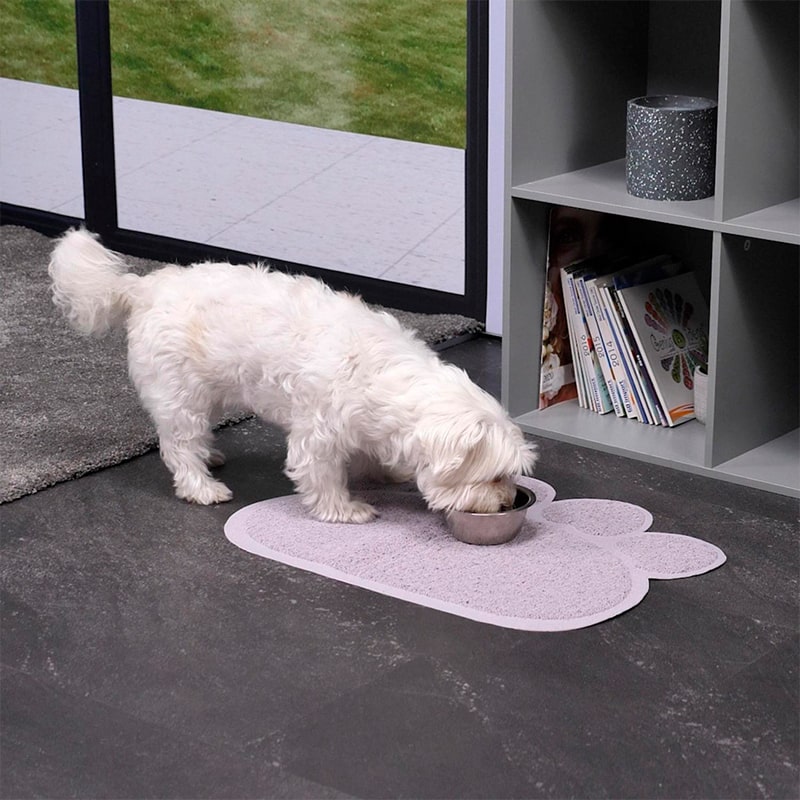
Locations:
(574, 563)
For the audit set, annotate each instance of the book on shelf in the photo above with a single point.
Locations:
(581, 321)
(573, 235)
(604, 357)
(669, 323)
(574, 319)
(639, 397)
(656, 268)
(614, 369)
(620, 334)
(648, 404)
(635, 330)
(630, 379)
(557, 378)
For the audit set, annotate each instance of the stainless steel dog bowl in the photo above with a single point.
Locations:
(492, 528)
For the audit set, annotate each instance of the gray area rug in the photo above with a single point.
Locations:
(67, 407)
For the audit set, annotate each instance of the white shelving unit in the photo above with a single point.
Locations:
(571, 67)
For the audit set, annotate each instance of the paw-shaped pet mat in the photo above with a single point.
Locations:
(574, 563)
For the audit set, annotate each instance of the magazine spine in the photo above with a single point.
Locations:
(615, 360)
(598, 397)
(628, 367)
(651, 399)
(605, 380)
(570, 301)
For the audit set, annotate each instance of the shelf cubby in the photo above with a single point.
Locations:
(757, 152)
(571, 67)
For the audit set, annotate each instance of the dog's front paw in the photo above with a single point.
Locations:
(351, 511)
(357, 511)
(206, 494)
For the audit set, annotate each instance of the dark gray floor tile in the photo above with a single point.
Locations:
(145, 656)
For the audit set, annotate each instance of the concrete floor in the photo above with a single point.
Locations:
(363, 205)
(143, 655)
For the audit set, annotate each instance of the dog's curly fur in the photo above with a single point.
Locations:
(349, 384)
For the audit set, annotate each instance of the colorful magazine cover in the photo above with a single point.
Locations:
(669, 320)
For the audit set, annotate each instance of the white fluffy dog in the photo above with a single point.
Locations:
(344, 381)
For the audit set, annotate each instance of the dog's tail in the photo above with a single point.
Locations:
(91, 284)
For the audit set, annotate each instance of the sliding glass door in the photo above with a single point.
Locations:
(355, 152)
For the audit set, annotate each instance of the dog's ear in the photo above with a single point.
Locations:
(446, 447)
(471, 447)
(528, 456)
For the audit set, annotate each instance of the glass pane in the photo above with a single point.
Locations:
(328, 133)
(40, 166)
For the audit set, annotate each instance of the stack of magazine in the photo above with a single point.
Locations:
(637, 330)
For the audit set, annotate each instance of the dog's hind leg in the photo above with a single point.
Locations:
(320, 477)
(185, 445)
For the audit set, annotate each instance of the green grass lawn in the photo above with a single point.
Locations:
(392, 68)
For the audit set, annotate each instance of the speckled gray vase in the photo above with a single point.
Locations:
(671, 147)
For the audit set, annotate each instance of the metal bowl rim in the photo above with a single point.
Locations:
(526, 505)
